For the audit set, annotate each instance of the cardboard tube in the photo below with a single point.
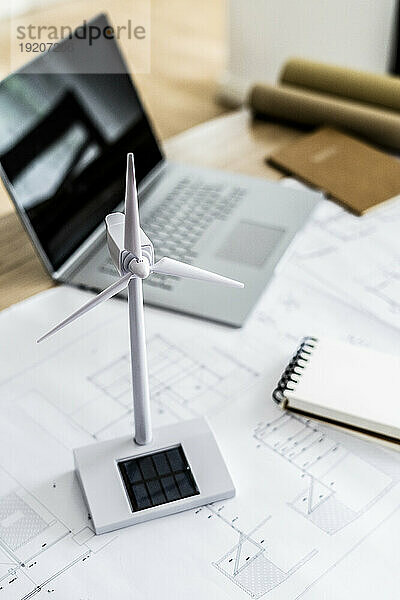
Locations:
(316, 109)
(372, 88)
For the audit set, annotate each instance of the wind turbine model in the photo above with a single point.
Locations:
(127, 480)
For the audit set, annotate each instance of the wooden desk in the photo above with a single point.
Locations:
(233, 142)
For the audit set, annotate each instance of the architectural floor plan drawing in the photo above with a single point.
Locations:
(31, 538)
(298, 305)
(330, 499)
(251, 565)
(182, 385)
(358, 258)
(46, 540)
(387, 288)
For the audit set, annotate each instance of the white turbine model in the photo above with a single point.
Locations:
(133, 255)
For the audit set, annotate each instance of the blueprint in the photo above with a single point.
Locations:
(358, 258)
(313, 503)
(310, 500)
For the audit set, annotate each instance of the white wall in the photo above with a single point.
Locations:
(264, 33)
(10, 8)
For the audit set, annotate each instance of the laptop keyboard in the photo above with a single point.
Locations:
(176, 225)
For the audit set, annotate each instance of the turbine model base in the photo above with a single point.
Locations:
(125, 483)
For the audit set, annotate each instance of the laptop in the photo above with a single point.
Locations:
(65, 131)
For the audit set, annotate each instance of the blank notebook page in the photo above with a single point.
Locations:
(350, 384)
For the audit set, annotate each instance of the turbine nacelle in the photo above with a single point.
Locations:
(115, 227)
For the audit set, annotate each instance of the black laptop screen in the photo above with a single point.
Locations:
(63, 144)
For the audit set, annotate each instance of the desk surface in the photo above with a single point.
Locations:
(234, 142)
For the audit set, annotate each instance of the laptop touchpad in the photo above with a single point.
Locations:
(250, 243)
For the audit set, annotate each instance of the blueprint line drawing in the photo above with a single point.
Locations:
(181, 386)
(355, 258)
(387, 289)
(37, 548)
(30, 535)
(344, 227)
(349, 552)
(307, 494)
(250, 563)
(330, 498)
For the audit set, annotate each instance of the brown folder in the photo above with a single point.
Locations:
(352, 172)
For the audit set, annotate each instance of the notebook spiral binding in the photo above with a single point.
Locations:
(290, 375)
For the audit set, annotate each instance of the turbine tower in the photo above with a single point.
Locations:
(194, 472)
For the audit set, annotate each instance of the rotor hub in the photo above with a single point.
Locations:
(138, 268)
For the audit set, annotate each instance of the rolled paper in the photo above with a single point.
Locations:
(315, 109)
(372, 88)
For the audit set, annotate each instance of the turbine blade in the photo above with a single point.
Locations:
(132, 240)
(109, 292)
(169, 266)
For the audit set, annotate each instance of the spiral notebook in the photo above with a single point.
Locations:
(343, 384)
